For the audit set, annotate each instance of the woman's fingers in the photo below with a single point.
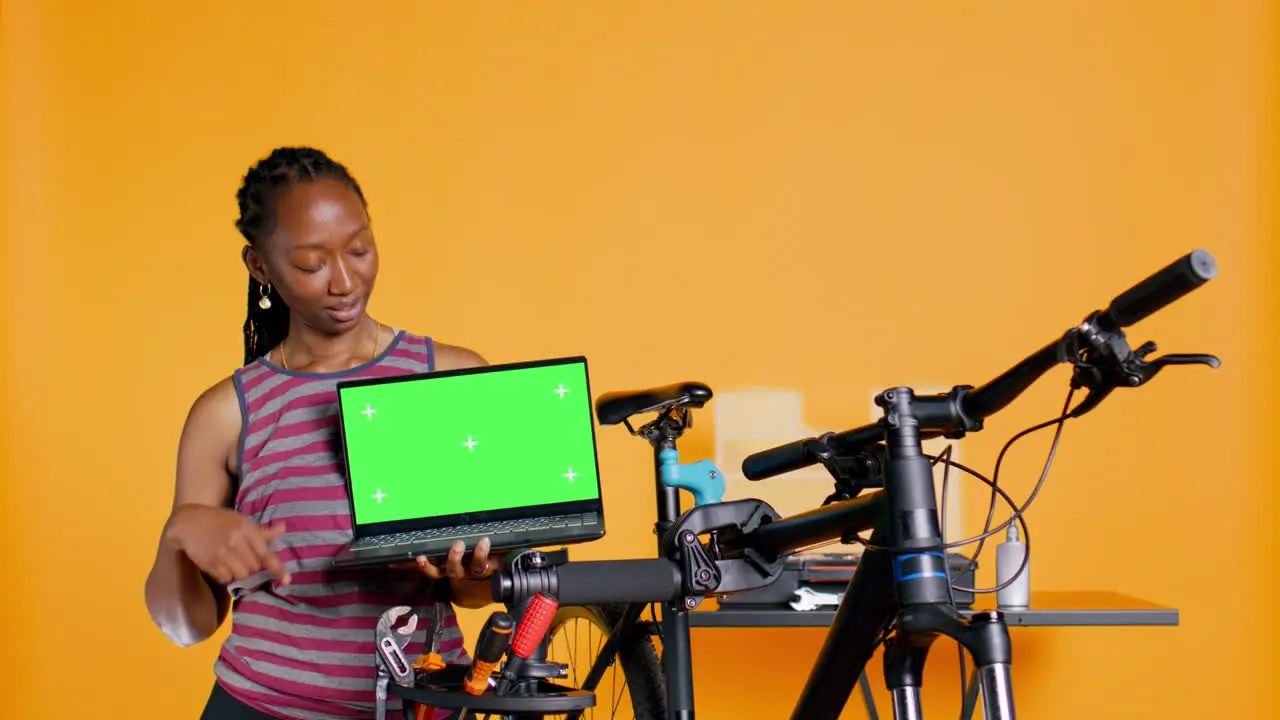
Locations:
(260, 542)
(429, 568)
(480, 565)
(480, 559)
(453, 564)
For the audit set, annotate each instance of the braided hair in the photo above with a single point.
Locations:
(264, 328)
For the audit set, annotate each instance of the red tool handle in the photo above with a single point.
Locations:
(534, 625)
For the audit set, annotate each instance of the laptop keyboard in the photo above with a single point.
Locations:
(464, 532)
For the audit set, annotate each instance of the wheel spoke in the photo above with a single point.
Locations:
(652, 698)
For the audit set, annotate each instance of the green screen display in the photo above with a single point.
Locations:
(469, 443)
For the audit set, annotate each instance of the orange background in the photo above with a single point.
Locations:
(834, 197)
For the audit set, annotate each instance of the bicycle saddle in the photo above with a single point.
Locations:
(614, 407)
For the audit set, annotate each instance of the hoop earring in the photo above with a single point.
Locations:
(265, 302)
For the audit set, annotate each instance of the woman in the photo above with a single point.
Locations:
(260, 505)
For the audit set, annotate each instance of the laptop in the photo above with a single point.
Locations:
(506, 452)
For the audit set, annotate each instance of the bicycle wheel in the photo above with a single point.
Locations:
(575, 638)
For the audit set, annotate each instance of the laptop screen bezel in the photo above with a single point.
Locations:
(470, 518)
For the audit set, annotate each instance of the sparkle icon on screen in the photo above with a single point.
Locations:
(561, 390)
(378, 496)
(571, 475)
(368, 411)
(470, 444)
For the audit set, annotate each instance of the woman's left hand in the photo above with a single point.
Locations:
(479, 566)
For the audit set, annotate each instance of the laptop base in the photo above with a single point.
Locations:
(362, 553)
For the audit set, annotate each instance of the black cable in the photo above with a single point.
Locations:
(987, 530)
(1013, 505)
(1018, 510)
(945, 457)
(1060, 421)
(973, 561)
(1016, 516)
(653, 615)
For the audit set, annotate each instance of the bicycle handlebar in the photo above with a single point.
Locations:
(592, 582)
(606, 582)
(1172, 282)
(964, 408)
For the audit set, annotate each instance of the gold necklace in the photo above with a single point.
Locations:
(377, 333)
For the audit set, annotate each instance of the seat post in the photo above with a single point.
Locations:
(665, 431)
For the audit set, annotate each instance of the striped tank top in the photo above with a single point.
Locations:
(306, 650)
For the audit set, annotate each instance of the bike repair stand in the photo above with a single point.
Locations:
(704, 570)
(706, 483)
(525, 688)
(920, 573)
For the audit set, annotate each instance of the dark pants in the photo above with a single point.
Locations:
(222, 706)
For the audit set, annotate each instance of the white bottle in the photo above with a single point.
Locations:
(1009, 556)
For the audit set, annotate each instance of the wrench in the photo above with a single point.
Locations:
(392, 664)
(806, 599)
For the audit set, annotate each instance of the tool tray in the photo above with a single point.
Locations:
(443, 690)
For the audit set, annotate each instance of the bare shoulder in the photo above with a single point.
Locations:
(454, 357)
(207, 450)
(217, 404)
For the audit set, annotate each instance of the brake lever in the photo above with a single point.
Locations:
(1134, 372)
(1187, 359)
(1139, 371)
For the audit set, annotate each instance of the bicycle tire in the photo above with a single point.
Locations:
(641, 667)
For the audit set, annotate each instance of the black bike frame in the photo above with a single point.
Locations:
(902, 576)
(676, 653)
(902, 579)
(904, 569)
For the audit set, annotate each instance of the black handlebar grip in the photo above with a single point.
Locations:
(602, 582)
(778, 460)
(1177, 279)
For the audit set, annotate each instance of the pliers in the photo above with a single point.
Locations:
(392, 664)
(430, 660)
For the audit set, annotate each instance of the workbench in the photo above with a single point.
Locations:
(1081, 608)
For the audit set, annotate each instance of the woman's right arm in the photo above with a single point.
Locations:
(204, 544)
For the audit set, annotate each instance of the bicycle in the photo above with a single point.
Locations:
(900, 594)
